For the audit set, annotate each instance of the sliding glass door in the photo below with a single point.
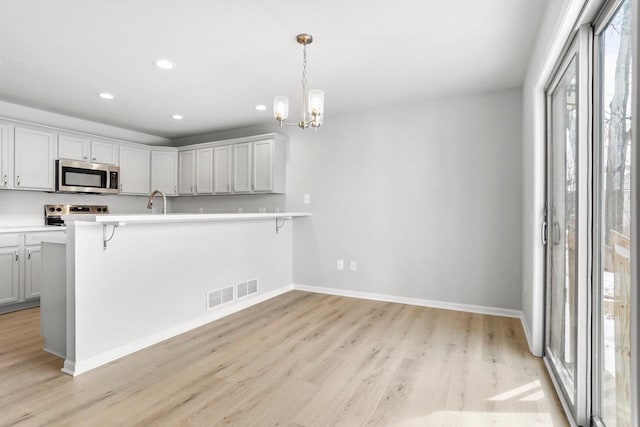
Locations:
(562, 206)
(612, 276)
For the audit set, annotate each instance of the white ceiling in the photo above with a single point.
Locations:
(232, 55)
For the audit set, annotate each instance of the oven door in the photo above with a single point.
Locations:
(81, 177)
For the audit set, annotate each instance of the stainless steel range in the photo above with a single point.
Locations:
(53, 213)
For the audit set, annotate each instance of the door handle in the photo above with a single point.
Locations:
(544, 231)
(556, 233)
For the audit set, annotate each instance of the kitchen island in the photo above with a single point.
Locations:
(135, 280)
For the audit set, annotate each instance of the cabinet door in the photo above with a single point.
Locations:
(222, 169)
(34, 159)
(164, 171)
(104, 152)
(32, 276)
(263, 165)
(9, 275)
(204, 171)
(5, 173)
(241, 168)
(74, 148)
(186, 171)
(135, 170)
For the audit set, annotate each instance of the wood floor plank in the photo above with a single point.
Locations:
(300, 359)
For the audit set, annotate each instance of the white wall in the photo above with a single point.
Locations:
(425, 197)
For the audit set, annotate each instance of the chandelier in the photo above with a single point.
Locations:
(312, 103)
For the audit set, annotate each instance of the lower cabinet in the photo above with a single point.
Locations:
(21, 269)
(9, 285)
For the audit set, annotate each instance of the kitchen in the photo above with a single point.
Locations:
(356, 263)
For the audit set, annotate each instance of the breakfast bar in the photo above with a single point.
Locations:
(132, 281)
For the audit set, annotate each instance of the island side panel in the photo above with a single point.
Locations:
(152, 280)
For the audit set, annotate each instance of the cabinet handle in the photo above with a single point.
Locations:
(85, 157)
(175, 189)
(18, 180)
(28, 254)
(93, 158)
(229, 187)
(5, 179)
(121, 187)
(17, 255)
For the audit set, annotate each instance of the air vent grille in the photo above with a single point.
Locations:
(247, 288)
(219, 297)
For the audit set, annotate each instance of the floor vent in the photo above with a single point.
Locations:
(242, 289)
(219, 297)
(253, 286)
(247, 288)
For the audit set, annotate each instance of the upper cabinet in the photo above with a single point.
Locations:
(164, 171)
(241, 168)
(86, 150)
(6, 177)
(222, 156)
(74, 148)
(269, 158)
(104, 152)
(186, 172)
(135, 170)
(34, 159)
(204, 171)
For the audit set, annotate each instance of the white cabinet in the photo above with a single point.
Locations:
(241, 168)
(222, 156)
(269, 158)
(135, 170)
(186, 170)
(164, 171)
(34, 159)
(74, 148)
(9, 285)
(32, 269)
(204, 171)
(104, 152)
(84, 149)
(5, 153)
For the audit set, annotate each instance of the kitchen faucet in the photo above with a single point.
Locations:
(164, 200)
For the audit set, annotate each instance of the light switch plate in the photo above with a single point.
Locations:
(340, 264)
(307, 199)
(353, 266)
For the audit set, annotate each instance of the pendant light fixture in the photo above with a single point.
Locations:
(313, 102)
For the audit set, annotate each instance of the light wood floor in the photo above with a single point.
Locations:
(300, 359)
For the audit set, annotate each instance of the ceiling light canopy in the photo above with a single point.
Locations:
(165, 64)
(177, 117)
(106, 95)
(261, 107)
(313, 102)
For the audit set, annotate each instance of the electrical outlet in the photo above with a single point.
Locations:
(352, 265)
(307, 199)
(340, 264)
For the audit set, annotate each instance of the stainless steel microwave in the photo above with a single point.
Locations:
(73, 176)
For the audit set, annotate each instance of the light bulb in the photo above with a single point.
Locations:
(316, 101)
(280, 107)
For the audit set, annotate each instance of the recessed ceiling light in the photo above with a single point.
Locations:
(177, 117)
(106, 95)
(165, 64)
(261, 107)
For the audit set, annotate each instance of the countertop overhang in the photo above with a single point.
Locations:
(178, 217)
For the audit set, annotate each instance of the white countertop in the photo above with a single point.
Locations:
(30, 228)
(178, 217)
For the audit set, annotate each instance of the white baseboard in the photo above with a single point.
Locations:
(80, 366)
(527, 334)
(494, 311)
